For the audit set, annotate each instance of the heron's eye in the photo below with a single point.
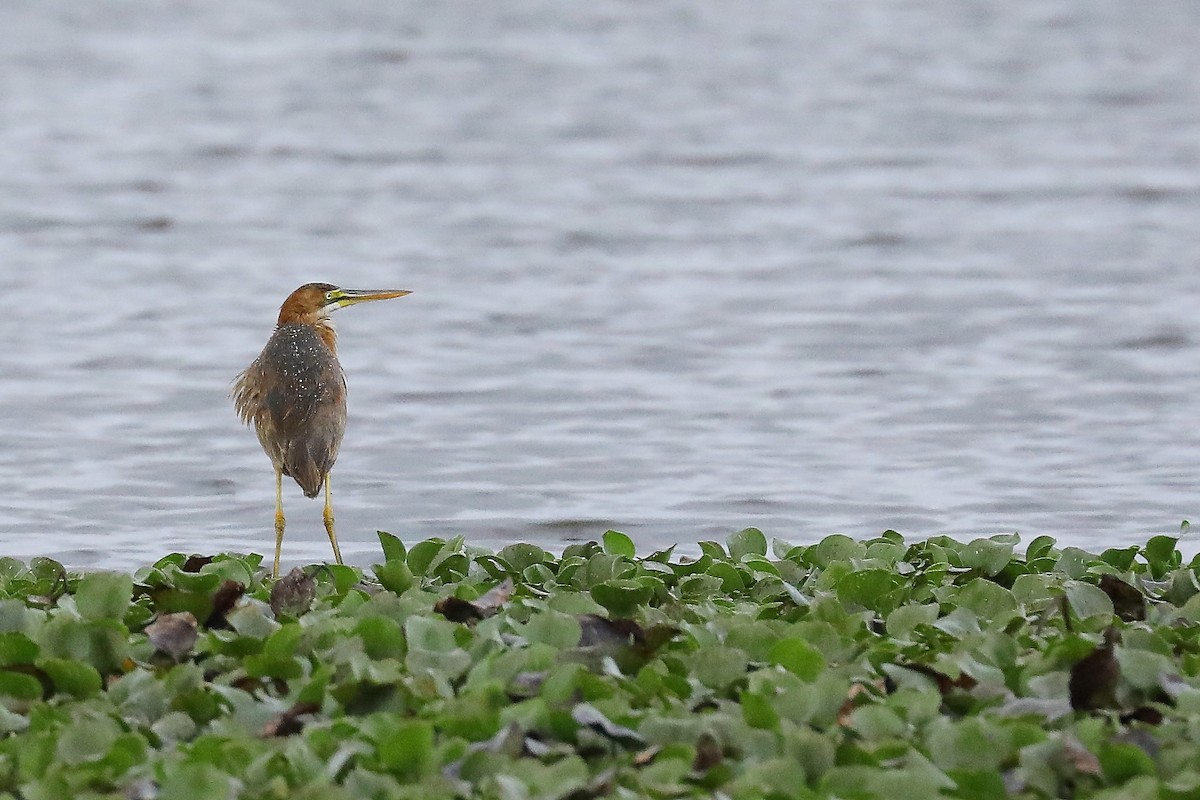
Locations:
(329, 296)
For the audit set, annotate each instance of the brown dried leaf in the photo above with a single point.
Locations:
(173, 634)
(293, 594)
(708, 753)
(194, 563)
(944, 682)
(1129, 603)
(288, 723)
(223, 600)
(458, 610)
(849, 704)
(1094, 677)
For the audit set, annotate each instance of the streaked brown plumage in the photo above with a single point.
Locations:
(294, 395)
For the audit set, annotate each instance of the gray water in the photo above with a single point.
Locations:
(678, 267)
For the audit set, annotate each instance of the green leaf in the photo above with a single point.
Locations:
(991, 602)
(1088, 600)
(1123, 761)
(19, 685)
(986, 555)
(759, 711)
(876, 589)
(86, 740)
(621, 597)
(407, 750)
(104, 595)
(835, 548)
(72, 677)
(394, 575)
(17, 648)
(521, 556)
(393, 548)
(798, 657)
(422, 554)
(1039, 547)
(196, 781)
(617, 543)
(717, 667)
(1161, 554)
(749, 541)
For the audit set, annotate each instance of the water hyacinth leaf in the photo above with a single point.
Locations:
(901, 622)
(759, 711)
(876, 589)
(196, 781)
(17, 648)
(986, 555)
(990, 602)
(835, 548)
(1121, 558)
(798, 657)
(104, 595)
(617, 543)
(393, 548)
(86, 740)
(621, 597)
(1073, 562)
(748, 541)
(1162, 555)
(560, 631)
(72, 677)
(421, 555)
(1122, 762)
(1041, 546)
(699, 587)
(20, 686)
(1088, 600)
(731, 580)
(1144, 669)
(521, 556)
(406, 751)
(395, 576)
(717, 667)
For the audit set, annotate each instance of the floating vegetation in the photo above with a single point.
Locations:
(842, 669)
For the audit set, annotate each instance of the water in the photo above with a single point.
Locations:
(678, 268)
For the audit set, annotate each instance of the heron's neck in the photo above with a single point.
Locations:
(320, 322)
(324, 326)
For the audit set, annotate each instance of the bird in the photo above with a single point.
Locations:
(294, 395)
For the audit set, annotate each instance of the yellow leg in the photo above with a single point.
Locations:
(337, 553)
(279, 520)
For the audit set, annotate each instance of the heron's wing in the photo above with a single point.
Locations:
(294, 394)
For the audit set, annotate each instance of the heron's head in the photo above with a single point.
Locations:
(313, 302)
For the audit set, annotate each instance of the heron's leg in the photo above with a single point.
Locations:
(337, 553)
(279, 520)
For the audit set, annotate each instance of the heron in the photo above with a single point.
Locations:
(294, 395)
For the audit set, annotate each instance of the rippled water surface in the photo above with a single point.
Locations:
(678, 267)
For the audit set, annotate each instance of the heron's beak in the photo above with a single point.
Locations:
(348, 297)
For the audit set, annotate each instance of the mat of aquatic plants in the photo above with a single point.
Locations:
(842, 669)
